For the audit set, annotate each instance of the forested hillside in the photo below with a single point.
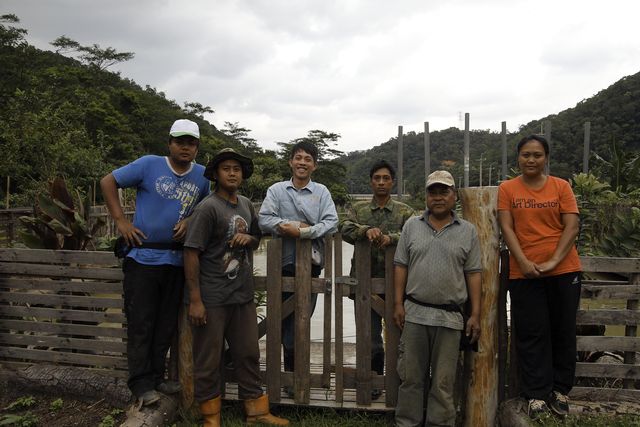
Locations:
(65, 114)
(614, 114)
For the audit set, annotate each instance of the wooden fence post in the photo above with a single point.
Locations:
(363, 322)
(185, 357)
(339, 347)
(392, 334)
(479, 206)
(302, 340)
(274, 318)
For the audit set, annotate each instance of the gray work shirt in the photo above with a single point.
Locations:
(437, 262)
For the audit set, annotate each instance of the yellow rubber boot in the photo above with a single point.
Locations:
(210, 410)
(258, 412)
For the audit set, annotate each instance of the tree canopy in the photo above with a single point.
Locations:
(65, 114)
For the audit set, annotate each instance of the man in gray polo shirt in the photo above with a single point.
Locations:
(437, 267)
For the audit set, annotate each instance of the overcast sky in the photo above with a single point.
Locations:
(358, 68)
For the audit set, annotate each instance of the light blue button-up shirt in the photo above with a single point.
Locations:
(311, 204)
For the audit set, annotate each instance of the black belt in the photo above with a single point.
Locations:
(447, 307)
(175, 246)
(121, 249)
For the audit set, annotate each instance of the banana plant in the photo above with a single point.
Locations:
(58, 222)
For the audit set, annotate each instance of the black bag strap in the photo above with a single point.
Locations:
(447, 307)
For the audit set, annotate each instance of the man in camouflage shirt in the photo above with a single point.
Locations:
(380, 221)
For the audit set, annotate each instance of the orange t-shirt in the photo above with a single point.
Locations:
(537, 221)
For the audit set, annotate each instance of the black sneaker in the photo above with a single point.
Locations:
(559, 403)
(148, 397)
(537, 409)
(169, 387)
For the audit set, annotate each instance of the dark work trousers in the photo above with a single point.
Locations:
(152, 295)
(238, 324)
(544, 313)
(377, 346)
(288, 324)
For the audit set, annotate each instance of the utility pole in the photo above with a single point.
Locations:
(466, 150)
(400, 177)
(427, 152)
(504, 151)
(585, 152)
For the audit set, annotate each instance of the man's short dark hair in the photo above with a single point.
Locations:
(307, 147)
(380, 164)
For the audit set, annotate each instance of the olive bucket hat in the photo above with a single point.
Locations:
(229, 154)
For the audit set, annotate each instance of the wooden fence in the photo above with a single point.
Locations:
(62, 307)
(65, 307)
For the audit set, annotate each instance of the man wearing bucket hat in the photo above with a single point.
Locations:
(222, 234)
(167, 190)
(437, 267)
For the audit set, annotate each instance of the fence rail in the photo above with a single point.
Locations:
(65, 307)
(62, 307)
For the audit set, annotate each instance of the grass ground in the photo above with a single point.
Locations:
(233, 416)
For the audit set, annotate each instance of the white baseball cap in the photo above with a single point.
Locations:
(183, 127)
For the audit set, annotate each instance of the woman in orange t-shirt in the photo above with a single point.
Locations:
(538, 215)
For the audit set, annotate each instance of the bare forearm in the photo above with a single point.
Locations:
(567, 238)
(399, 283)
(509, 235)
(474, 288)
(109, 189)
(192, 273)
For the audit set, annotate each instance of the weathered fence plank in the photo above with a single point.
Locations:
(339, 320)
(47, 284)
(392, 334)
(64, 328)
(598, 343)
(610, 291)
(60, 271)
(363, 321)
(63, 357)
(274, 318)
(610, 265)
(47, 256)
(302, 329)
(608, 317)
(604, 370)
(61, 300)
(62, 314)
(63, 343)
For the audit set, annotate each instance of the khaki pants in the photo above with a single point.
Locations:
(425, 349)
(237, 323)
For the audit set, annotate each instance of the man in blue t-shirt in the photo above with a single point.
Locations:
(168, 189)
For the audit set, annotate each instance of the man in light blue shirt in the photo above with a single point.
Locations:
(298, 208)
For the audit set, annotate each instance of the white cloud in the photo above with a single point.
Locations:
(358, 68)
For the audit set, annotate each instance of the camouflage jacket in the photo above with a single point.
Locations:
(367, 214)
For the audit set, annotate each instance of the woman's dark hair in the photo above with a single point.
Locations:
(380, 164)
(541, 139)
(307, 147)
